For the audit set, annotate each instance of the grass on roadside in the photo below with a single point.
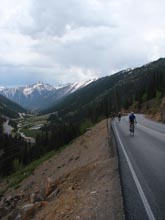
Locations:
(21, 174)
(14, 179)
(85, 125)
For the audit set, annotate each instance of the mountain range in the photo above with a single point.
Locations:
(40, 95)
(10, 109)
(99, 97)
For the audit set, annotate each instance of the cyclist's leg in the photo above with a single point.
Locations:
(130, 127)
(133, 128)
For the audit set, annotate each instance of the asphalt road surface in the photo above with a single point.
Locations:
(142, 167)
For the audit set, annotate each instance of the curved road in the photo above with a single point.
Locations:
(142, 167)
(7, 129)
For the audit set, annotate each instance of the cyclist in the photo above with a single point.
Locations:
(132, 121)
(119, 116)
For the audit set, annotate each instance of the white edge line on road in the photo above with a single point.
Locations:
(140, 190)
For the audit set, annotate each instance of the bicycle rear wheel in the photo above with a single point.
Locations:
(132, 129)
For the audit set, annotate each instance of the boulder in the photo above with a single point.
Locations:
(33, 198)
(53, 195)
(27, 211)
(50, 186)
(3, 211)
(38, 196)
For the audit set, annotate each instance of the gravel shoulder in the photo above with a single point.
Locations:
(87, 180)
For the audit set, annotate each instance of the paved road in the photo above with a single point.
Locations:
(28, 139)
(142, 166)
(7, 129)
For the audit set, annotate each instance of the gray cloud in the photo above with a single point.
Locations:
(57, 17)
(69, 40)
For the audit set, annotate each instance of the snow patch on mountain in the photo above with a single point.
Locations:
(39, 86)
(41, 95)
(78, 85)
(2, 88)
(43, 86)
(27, 91)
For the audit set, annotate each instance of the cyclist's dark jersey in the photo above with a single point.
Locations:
(132, 118)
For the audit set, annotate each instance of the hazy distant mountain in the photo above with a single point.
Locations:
(9, 109)
(40, 95)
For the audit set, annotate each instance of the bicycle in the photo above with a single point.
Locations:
(119, 116)
(132, 128)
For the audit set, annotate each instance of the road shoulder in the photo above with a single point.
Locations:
(86, 177)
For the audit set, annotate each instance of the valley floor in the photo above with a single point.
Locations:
(81, 183)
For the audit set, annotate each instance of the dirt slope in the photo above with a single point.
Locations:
(82, 181)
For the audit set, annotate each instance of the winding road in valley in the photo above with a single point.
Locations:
(7, 129)
(28, 139)
(142, 167)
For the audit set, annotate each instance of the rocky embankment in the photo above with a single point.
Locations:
(162, 110)
(160, 113)
(81, 183)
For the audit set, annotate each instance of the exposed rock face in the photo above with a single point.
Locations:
(50, 186)
(27, 211)
(9, 203)
(37, 199)
(162, 110)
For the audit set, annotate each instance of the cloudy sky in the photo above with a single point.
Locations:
(61, 41)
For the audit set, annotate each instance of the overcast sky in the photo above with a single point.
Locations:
(61, 41)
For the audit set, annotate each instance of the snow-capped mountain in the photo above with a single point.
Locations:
(70, 88)
(40, 95)
(39, 87)
(2, 88)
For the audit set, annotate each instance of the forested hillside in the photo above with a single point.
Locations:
(9, 108)
(11, 151)
(113, 93)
